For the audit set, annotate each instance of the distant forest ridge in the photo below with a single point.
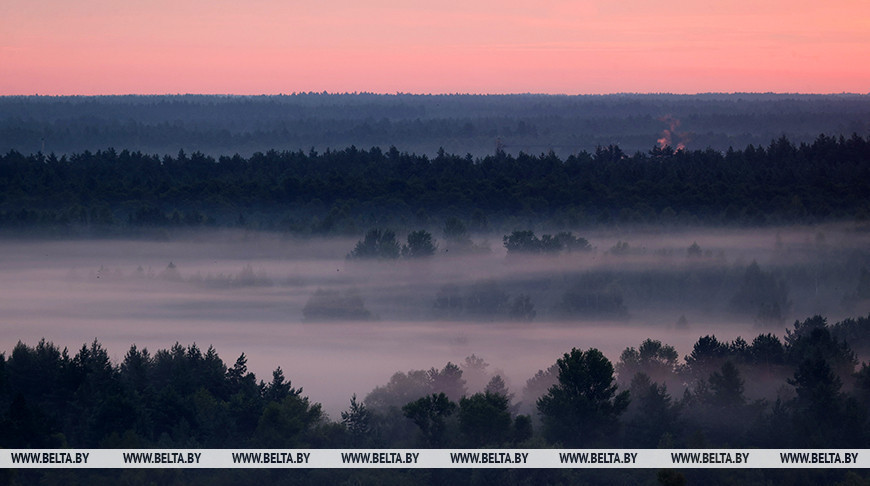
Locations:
(475, 124)
(349, 190)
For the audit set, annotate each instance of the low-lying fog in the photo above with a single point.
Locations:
(338, 326)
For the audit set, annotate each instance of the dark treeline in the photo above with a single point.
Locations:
(342, 191)
(218, 125)
(804, 391)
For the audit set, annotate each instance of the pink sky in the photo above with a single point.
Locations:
(57, 47)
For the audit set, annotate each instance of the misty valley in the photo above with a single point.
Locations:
(710, 338)
(342, 324)
(374, 298)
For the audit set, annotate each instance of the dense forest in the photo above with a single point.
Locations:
(718, 396)
(334, 229)
(476, 124)
(345, 191)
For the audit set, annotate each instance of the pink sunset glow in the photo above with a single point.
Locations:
(268, 46)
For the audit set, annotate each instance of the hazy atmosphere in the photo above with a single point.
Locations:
(456, 225)
(253, 293)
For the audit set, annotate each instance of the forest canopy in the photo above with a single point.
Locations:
(805, 391)
(345, 190)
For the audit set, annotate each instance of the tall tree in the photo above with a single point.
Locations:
(583, 408)
(357, 421)
(484, 419)
(429, 414)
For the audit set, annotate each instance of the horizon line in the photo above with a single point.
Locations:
(401, 93)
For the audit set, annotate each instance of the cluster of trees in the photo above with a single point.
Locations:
(339, 191)
(383, 244)
(186, 397)
(582, 285)
(800, 392)
(749, 293)
(525, 241)
(482, 300)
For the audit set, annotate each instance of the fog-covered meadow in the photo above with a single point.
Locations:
(339, 326)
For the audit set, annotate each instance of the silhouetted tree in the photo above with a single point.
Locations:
(726, 386)
(812, 340)
(823, 415)
(484, 419)
(651, 414)
(448, 380)
(584, 406)
(377, 244)
(708, 353)
(357, 421)
(429, 414)
(420, 244)
(652, 358)
(522, 242)
(288, 423)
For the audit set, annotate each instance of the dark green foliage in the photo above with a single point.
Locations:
(357, 420)
(726, 386)
(522, 428)
(652, 415)
(405, 387)
(377, 243)
(287, 423)
(420, 244)
(448, 381)
(279, 389)
(484, 419)
(656, 360)
(184, 397)
(522, 242)
(91, 191)
(766, 351)
(497, 386)
(429, 414)
(25, 425)
(812, 340)
(177, 397)
(538, 386)
(583, 408)
(401, 389)
(566, 241)
(854, 331)
(823, 415)
(526, 242)
(708, 353)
